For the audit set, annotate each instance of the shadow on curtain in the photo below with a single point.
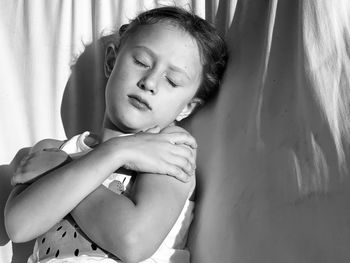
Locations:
(83, 105)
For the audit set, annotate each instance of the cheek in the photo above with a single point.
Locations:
(123, 70)
(120, 75)
(172, 106)
(117, 82)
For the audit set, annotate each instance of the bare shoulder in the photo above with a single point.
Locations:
(162, 191)
(159, 200)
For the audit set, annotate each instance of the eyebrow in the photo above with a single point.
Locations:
(172, 67)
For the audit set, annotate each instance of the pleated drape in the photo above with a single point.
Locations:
(274, 160)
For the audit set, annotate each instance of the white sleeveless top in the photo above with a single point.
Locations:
(66, 243)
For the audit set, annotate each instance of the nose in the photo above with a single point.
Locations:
(149, 83)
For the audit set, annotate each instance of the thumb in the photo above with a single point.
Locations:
(16, 179)
(155, 129)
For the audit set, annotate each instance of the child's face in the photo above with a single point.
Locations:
(155, 76)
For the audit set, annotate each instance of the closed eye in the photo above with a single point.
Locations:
(139, 63)
(173, 84)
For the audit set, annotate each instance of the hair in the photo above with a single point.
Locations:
(212, 47)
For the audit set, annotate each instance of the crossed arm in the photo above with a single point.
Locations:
(132, 229)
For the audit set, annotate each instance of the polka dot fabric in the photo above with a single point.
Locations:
(66, 239)
(66, 243)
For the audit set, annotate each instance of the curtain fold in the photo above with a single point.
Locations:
(273, 163)
(273, 148)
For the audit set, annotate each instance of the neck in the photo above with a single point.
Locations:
(107, 134)
(108, 130)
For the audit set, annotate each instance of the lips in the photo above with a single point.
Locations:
(139, 102)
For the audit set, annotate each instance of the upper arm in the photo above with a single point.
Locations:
(134, 228)
(159, 200)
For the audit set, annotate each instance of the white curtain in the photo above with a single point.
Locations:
(273, 180)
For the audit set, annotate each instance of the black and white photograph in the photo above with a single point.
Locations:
(175, 131)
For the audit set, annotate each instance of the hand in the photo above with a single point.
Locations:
(38, 163)
(171, 152)
(174, 128)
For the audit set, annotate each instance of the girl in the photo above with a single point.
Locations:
(167, 63)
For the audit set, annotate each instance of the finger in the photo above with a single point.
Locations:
(49, 158)
(172, 129)
(185, 152)
(182, 138)
(22, 166)
(18, 171)
(24, 160)
(183, 163)
(155, 129)
(177, 173)
(22, 178)
(14, 180)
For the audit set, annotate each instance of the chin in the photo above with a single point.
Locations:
(129, 127)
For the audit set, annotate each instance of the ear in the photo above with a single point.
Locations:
(189, 108)
(110, 57)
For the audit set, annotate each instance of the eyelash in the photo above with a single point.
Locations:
(140, 63)
(171, 83)
(137, 62)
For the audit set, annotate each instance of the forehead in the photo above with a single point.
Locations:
(169, 43)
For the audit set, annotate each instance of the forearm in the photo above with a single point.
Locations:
(49, 199)
(108, 219)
